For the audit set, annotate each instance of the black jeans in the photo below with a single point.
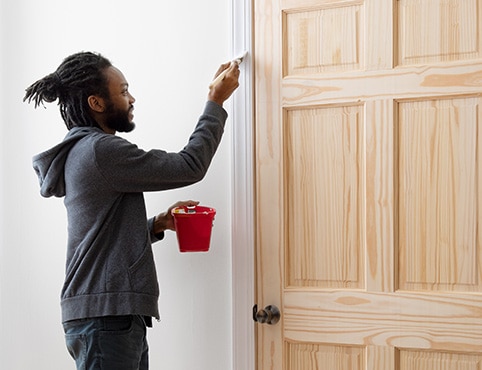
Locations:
(108, 343)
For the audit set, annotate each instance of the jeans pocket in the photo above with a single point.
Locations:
(122, 342)
(119, 324)
(77, 347)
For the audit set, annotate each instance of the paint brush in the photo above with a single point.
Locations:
(219, 78)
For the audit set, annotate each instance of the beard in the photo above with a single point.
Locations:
(118, 119)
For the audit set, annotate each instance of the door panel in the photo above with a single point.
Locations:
(439, 162)
(368, 183)
(323, 151)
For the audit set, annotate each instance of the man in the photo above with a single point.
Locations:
(110, 292)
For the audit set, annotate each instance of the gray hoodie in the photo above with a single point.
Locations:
(110, 267)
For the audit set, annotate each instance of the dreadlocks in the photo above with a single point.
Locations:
(79, 76)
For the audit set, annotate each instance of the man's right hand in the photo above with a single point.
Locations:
(225, 88)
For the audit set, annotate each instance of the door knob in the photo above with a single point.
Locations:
(269, 315)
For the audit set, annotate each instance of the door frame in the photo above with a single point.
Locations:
(243, 217)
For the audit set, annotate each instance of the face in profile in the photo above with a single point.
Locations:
(120, 105)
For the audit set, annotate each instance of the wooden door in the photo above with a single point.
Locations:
(368, 124)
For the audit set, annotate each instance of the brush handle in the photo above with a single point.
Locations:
(219, 78)
(223, 73)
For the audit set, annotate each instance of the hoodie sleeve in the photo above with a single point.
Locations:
(130, 169)
(154, 237)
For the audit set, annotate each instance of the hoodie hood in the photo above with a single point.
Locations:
(49, 165)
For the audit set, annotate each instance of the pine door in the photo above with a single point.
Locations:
(368, 150)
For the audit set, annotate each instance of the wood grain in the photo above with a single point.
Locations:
(368, 175)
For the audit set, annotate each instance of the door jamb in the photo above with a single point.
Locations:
(243, 250)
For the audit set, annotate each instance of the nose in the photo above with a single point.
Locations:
(132, 100)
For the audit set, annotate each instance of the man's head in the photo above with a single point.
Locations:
(90, 92)
(114, 112)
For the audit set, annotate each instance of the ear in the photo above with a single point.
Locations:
(96, 103)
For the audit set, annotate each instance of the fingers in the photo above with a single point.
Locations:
(233, 66)
(225, 83)
(234, 70)
(222, 68)
(165, 221)
(183, 203)
(231, 69)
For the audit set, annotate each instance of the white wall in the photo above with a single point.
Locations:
(168, 51)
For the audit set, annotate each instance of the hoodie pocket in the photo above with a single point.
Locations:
(142, 274)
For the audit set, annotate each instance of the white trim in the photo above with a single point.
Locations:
(243, 261)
